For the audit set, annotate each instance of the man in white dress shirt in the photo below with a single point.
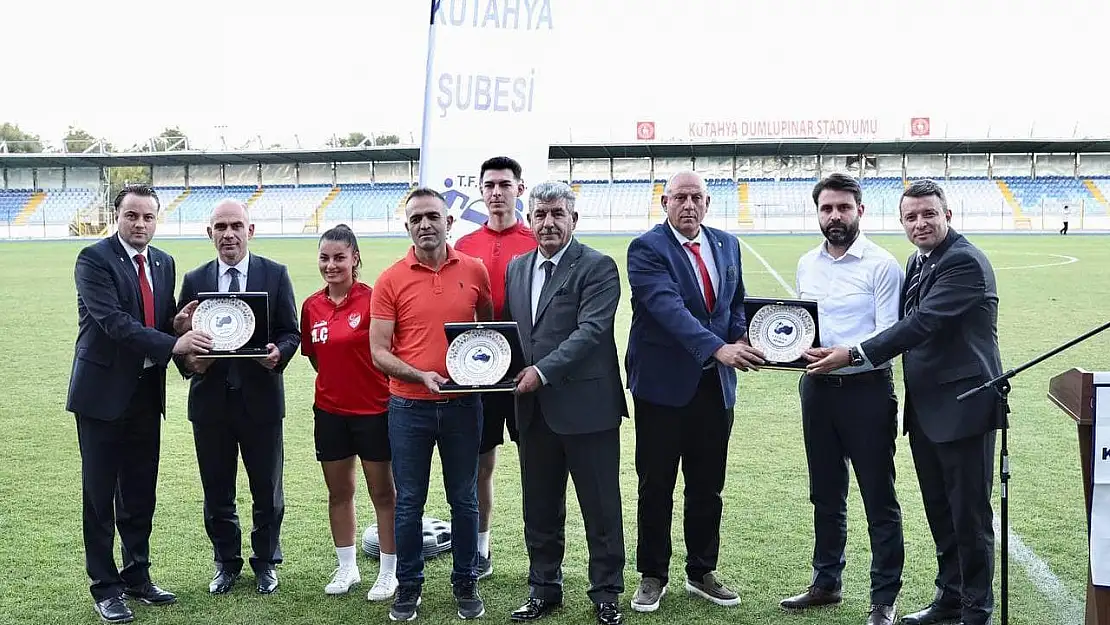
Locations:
(852, 414)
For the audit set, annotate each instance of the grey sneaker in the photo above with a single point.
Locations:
(485, 566)
(648, 595)
(405, 603)
(712, 589)
(469, 601)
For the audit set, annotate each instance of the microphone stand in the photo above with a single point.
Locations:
(1002, 385)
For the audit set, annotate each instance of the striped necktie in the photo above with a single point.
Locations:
(913, 285)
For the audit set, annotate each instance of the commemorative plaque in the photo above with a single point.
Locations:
(239, 323)
(783, 329)
(482, 357)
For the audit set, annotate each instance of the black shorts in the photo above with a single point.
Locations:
(339, 437)
(498, 411)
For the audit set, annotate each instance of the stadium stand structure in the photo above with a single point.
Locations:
(991, 185)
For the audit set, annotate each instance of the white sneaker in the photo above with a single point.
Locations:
(384, 588)
(342, 581)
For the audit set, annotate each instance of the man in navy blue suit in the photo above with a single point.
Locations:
(117, 392)
(688, 336)
(237, 405)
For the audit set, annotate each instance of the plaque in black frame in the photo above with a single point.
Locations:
(239, 323)
(783, 329)
(482, 356)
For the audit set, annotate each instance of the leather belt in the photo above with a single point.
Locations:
(849, 379)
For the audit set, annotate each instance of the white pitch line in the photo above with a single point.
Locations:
(771, 269)
(1067, 261)
(1068, 608)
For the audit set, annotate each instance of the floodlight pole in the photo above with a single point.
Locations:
(1002, 385)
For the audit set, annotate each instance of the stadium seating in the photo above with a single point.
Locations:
(758, 198)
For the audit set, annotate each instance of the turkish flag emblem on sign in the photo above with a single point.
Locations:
(645, 131)
(919, 126)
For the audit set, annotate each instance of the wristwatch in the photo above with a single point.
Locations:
(854, 357)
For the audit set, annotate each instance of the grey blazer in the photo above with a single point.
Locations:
(571, 340)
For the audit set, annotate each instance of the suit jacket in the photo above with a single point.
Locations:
(949, 344)
(571, 341)
(263, 389)
(112, 340)
(673, 337)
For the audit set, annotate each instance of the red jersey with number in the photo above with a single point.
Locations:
(495, 250)
(338, 337)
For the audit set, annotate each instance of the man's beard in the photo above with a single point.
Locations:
(841, 234)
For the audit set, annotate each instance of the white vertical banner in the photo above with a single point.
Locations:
(488, 85)
(1100, 492)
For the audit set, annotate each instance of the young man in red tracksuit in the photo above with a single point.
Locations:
(503, 237)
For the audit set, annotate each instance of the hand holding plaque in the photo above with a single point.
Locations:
(482, 357)
(783, 330)
(238, 323)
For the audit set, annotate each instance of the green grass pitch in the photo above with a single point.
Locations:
(1046, 298)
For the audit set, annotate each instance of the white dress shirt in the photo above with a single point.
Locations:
(225, 277)
(706, 250)
(539, 276)
(132, 253)
(857, 294)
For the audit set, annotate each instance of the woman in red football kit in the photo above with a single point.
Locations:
(351, 408)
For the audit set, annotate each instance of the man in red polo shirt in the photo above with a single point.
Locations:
(412, 300)
(501, 239)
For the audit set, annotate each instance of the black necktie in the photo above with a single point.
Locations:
(234, 287)
(913, 285)
(233, 378)
(548, 269)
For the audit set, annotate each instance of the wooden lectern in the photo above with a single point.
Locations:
(1074, 392)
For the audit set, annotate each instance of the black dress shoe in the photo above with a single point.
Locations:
(222, 582)
(608, 614)
(880, 615)
(267, 580)
(813, 597)
(534, 609)
(934, 614)
(149, 594)
(114, 610)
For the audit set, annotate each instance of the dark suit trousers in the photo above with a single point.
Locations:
(119, 472)
(593, 461)
(697, 434)
(218, 445)
(853, 418)
(956, 480)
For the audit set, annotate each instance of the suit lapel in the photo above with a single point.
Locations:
(524, 296)
(256, 280)
(927, 271)
(559, 277)
(128, 267)
(159, 283)
(719, 261)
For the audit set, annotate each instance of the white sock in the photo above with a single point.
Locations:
(483, 544)
(388, 562)
(346, 557)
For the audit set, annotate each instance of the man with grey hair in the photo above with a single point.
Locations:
(236, 405)
(569, 403)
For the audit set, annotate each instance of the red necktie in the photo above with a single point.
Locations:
(710, 298)
(148, 293)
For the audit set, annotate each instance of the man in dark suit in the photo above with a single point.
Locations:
(948, 339)
(117, 392)
(688, 336)
(569, 403)
(237, 405)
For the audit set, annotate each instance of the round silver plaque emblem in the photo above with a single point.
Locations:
(782, 333)
(478, 357)
(229, 321)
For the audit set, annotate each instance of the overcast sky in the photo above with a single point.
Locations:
(125, 69)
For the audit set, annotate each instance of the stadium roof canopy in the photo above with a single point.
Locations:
(575, 151)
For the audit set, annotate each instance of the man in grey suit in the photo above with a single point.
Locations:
(569, 403)
(948, 339)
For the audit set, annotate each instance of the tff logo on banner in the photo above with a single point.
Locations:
(473, 211)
